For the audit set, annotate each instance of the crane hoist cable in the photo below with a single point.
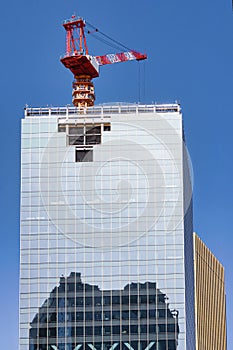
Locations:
(105, 41)
(121, 46)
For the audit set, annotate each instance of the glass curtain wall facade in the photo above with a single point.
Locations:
(106, 222)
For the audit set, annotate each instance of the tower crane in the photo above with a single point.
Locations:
(84, 66)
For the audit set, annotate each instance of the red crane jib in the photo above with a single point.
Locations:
(120, 57)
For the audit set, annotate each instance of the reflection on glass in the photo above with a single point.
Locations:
(81, 316)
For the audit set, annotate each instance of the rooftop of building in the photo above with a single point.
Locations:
(101, 110)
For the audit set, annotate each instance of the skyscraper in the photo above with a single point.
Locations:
(106, 230)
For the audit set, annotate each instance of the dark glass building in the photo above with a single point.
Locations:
(139, 310)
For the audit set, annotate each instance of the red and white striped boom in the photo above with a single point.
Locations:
(120, 57)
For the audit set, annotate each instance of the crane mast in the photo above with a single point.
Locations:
(84, 66)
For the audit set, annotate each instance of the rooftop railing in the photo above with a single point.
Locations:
(68, 111)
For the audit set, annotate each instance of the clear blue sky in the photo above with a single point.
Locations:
(190, 49)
